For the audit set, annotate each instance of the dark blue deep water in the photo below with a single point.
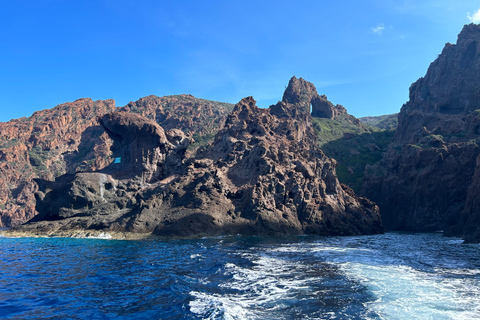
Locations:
(391, 276)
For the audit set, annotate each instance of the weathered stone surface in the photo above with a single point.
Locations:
(304, 94)
(198, 118)
(323, 108)
(51, 142)
(69, 139)
(425, 179)
(469, 222)
(263, 174)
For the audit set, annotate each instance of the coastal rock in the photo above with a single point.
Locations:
(469, 224)
(50, 143)
(424, 181)
(263, 174)
(69, 139)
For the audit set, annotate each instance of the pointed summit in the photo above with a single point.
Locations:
(299, 92)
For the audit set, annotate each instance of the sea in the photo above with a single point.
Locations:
(388, 276)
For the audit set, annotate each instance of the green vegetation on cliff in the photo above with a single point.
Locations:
(352, 145)
(385, 122)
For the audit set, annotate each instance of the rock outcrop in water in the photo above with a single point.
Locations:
(263, 174)
(69, 139)
(428, 179)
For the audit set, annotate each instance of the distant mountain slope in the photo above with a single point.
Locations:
(199, 118)
(353, 144)
(47, 144)
(385, 122)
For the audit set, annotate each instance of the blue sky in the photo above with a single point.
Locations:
(361, 54)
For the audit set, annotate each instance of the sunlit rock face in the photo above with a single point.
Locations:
(64, 139)
(263, 174)
(69, 138)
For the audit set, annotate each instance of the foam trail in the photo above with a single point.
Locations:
(258, 291)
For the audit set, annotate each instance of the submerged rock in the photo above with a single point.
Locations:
(264, 174)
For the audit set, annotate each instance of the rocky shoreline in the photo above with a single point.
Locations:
(264, 174)
(180, 166)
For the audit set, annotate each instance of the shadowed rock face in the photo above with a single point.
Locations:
(141, 145)
(424, 182)
(263, 174)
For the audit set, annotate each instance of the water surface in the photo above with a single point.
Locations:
(391, 276)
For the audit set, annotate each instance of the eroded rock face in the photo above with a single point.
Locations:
(469, 224)
(304, 95)
(69, 139)
(50, 143)
(264, 174)
(140, 145)
(425, 178)
(323, 108)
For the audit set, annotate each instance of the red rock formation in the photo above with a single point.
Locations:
(192, 115)
(263, 174)
(68, 138)
(51, 142)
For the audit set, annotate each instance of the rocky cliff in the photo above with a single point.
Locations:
(68, 139)
(51, 142)
(198, 118)
(427, 177)
(263, 174)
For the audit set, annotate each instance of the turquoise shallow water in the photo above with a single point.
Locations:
(391, 276)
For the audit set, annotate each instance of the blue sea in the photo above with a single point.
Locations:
(390, 276)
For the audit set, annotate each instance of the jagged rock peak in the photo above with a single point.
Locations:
(469, 31)
(300, 95)
(299, 92)
(451, 83)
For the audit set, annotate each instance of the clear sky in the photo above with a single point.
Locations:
(361, 54)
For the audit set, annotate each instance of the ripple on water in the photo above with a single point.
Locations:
(392, 276)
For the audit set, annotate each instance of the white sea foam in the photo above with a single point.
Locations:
(216, 306)
(399, 283)
(261, 287)
(102, 235)
(403, 292)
